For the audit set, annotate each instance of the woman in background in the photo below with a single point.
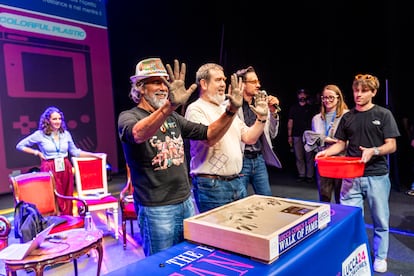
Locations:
(325, 123)
(52, 143)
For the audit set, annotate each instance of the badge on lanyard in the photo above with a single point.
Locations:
(59, 164)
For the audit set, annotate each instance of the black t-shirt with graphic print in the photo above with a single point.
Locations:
(158, 167)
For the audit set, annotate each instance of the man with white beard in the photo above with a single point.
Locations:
(152, 136)
(215, 169)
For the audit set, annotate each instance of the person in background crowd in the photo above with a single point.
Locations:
(409, 128)
(325, 123)
(368, 131)
(152, 136)
(260, 154)
(299, 120)
(52, 143)
(216, 170)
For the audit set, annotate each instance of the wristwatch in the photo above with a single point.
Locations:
(376, 151)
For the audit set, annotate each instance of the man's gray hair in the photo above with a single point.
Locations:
(135, 93)
(204, 71)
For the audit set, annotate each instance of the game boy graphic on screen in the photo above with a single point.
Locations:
(38, 73)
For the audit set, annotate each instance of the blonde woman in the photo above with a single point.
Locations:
(325, 123)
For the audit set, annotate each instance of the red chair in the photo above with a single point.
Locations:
(126, 203)
(92, 186)
(5, 228)
(39, 188)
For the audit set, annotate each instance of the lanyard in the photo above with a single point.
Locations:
(56, 146)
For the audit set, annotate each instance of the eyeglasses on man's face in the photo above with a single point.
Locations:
(328, 98)
(364, 77)
(255, 82)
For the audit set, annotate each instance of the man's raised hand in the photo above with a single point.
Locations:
(178, 94)
(235, 93)
(260, 107)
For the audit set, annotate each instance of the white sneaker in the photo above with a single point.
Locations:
(380, 265)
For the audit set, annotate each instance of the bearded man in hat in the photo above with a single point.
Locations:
(152, 136)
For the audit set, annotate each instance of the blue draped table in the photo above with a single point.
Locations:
(341, 248)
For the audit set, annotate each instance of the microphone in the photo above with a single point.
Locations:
(276, 106)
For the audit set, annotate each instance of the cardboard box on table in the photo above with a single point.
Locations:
(262, 227)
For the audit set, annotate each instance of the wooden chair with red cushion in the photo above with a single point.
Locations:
(126, 203)
(92, 186)
(39, 188)
(5, 228)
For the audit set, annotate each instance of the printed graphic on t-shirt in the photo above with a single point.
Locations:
(170, 151)
(217, 161)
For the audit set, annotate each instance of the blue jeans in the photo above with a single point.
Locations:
(376, 189)
(162, 226)
(211, 193)
(255, 172)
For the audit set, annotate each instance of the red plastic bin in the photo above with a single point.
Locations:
(340, 166)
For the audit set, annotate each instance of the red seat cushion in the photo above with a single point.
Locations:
(129, 210)
(3, 244)
(70, 223)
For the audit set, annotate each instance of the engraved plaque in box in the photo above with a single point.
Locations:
(262, 227)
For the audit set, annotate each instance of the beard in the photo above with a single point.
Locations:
(216, 98)
(154, 101)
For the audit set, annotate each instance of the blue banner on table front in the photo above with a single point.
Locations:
(339, 249)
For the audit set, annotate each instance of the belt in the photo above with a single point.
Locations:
(219, 177)
(251, 154)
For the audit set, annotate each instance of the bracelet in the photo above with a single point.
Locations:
(36, 153)
(262, 121)
(229, 113)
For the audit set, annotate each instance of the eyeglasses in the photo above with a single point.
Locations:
(364, 77)
(255, 82)
(328, 98)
